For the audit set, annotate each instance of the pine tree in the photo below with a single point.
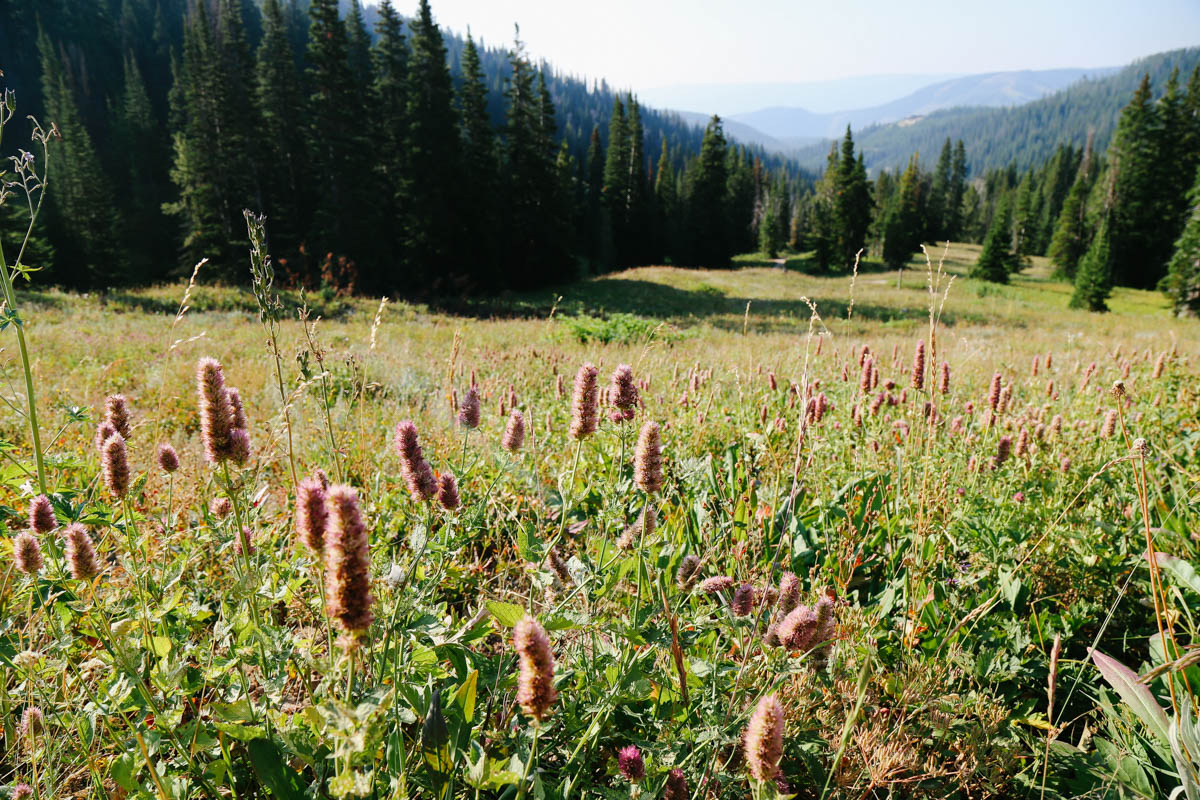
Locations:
(1183, 276)
(1138, 256)
(481, 170)
(852, 203)
(666, 204)
(433, 182)
(358, 48)
(707, 220)
(280, 99)
(952, 220)
(1025, 221)
(597, 215)
(903, 228)
(617, 187)
(146, 243)
(638, 201)
(823, 229)
(939, 195)
(1093, 281)
(1071, 233)
(997, 258)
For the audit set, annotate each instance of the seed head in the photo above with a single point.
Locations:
(789, 593)
(1118, 389)
(535, 682)
(743, 600)
(216, 413)
(41, 515)
(1003, 449)
(685, 576)
(469, 411)
(717, 583)
(116, 413)
(417, 473)
(168, 459)
(312, 515)
(623, 394)
(116, 465)
(220, 507)
(80, 553)
(647, 468)
(104, 430)
(918, 367)
(584, 410)
(27, 553)
(448, 492)
(1140, 448)
(764, 738)
(677, 786)
(347, 566)
(514, 432)
(631, 764)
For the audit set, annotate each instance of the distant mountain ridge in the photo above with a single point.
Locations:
(1026, 134)
(985, 89)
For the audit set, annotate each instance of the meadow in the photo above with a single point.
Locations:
(853, 537)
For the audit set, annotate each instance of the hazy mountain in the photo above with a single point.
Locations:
(1026, 134)
(988, 89)
(821, 97)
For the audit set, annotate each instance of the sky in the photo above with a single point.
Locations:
(646, 44)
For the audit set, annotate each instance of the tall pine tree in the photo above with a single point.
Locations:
(1183, 276)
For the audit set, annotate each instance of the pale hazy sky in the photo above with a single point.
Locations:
(641, 44)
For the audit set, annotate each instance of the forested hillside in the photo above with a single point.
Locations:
(1027, 134)
(387, 154)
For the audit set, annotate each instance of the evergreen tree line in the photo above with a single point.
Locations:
(386, 155)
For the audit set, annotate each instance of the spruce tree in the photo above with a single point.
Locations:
(597, 215)
(433, 183)
(824, 229)
(666, 203)
(617, 186)
(286, 190)
(481, 171)
(997, 258)
(1071, 233)
(852, 203)
(1182, 284)
(953, 213)
(939, 195)
(1093, 281)
(1138, 256)
(903, 227)
(146, 243)
(707, 219)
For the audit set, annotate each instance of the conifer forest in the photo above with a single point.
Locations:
(390, 413)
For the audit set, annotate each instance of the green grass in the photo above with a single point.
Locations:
(188, 669)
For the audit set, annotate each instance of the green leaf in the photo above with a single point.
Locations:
(1135, 694)
(161, 645)
(273, 771)
(506, 614)
(464, 698)
(124, 769)
(1181, 570)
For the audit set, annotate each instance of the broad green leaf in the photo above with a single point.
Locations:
(464, 698)
(506, 614)
(1135, 694)
(273, 771)
(1181, 570)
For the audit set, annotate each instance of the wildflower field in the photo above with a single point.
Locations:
(666, 533)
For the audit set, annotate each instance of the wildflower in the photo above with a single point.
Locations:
(796, 631)
(743, 600)
(514, 432)
(1159, 364)
(559, 567)
(27, 553)
(448, 492)
(104, 430)
(918, 367)
(413, 467)
(717, 583)
(469, 411)
(1110, 424)
(677, 786)
(1019, 497)
(244, 543)
(312, 515)
(647, 468)
(239, 446)
(116, 413)
(1023, 443)
(220, 507)
(772, 381)
(80, 553)
(1118, 389)
(1140, 447)
(22, 791)
(319, 475)
(116, 465)
(33, 722)
(237, 417)
(168, 459)
(624, 394)
(583, 404)
(1003, 448)
(630, 763)
(41, 515)
(1056, 424)
(535, 682)
(865, 381)
(347, 565)
(685, 576)
(1065, 465)
(944, 379)
(764, 738)
(789, 592)
(216, 413)
(994, 392)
